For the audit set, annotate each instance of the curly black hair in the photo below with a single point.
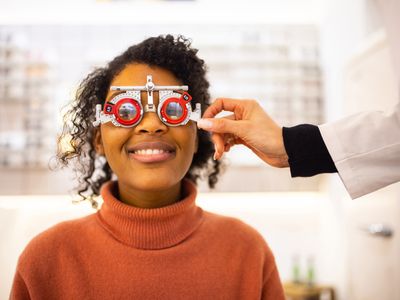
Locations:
(168, 52)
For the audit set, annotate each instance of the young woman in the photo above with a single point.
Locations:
(148, 240)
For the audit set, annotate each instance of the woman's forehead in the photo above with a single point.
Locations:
(136, 74)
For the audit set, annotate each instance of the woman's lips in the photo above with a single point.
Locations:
(152, 152)
(152, 158)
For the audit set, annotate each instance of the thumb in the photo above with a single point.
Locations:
(221, 125)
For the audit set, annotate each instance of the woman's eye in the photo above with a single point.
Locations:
(174, 110)
(127, 112)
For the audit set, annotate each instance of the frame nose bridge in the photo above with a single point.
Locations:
(150, 87)
(151, 123)
(152, 105)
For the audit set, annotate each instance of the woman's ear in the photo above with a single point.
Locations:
(98, 142)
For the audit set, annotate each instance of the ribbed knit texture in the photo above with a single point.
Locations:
(123, 252)
(155, 228)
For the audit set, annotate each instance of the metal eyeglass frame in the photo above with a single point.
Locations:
(165, 92)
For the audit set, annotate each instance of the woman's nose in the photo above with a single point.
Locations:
(151, 124)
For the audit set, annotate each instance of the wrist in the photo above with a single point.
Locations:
(282, 154)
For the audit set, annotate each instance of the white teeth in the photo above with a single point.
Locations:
(149, 151)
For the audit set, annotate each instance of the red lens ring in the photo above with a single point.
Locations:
(122, 121)
(182, 103)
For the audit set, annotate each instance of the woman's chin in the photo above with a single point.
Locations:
(154, 183)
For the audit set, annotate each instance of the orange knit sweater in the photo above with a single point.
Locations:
(123, 252)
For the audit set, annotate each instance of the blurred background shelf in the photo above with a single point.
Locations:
(41, 66)
(305, 61)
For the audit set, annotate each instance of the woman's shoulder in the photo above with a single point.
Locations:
(52, 240)
(230, 227)
(65, 228)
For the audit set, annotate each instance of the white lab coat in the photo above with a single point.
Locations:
(366, 147)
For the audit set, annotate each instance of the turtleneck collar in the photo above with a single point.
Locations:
(154, 228)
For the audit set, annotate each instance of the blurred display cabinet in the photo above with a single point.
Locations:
(279, 66)
(42, 65)
(26, 125)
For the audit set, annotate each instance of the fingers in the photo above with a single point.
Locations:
(219, 145)
(207, 124)
(229, 130)
(230, 142)
(223, 143)
(221, 104)
(223, 125)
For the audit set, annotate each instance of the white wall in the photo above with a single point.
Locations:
(157, 12)
(345, 26)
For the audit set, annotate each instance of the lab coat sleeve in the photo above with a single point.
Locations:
(365, 149)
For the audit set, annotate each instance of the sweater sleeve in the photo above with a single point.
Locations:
(272, 288)
(19, 290)
(307, 152)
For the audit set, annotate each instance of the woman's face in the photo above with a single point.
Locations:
(150, 156)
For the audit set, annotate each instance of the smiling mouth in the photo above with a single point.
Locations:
(149, 151)
(152, 152)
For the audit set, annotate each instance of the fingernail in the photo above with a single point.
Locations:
(205, 124)
(215, 156)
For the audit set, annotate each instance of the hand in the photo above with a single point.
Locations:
(249, 125)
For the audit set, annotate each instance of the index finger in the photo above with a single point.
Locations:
(221, 104)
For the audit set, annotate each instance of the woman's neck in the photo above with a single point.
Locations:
(149, 199)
